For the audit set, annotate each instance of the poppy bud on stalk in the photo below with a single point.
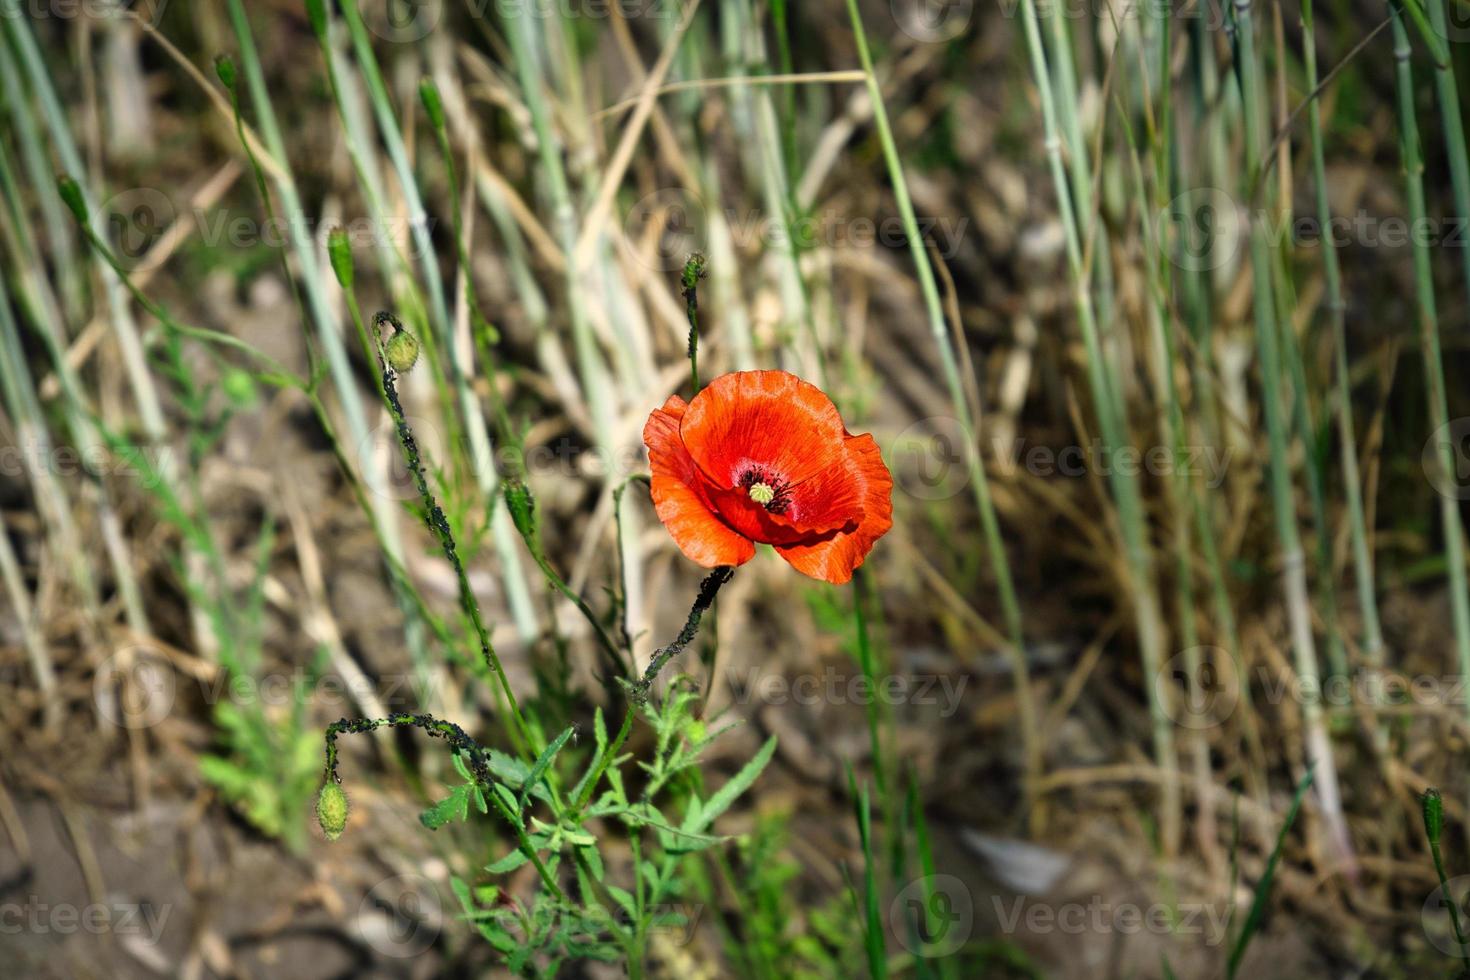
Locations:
(522, 507)
(402, 351)
(331, 810)
(1433, 815)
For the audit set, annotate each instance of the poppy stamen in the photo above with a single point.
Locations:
(772, 494)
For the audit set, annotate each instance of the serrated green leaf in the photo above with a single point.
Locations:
(543, 762)
(455, 806)
(717, 804)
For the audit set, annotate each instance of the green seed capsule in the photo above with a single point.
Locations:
(331, 810)
(402, 351)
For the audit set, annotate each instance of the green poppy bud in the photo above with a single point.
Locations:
(694, 270)
(402, 350)
(522, 507)
(1433, 815)
(331, 810)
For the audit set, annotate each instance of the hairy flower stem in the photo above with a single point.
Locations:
(459, 740)
(439, 526)
(694, 270)
(708, 589)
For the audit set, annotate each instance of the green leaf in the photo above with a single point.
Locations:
(702, 817)
(455, 806)
(508, 863)
(1268, 877)
(543, 762)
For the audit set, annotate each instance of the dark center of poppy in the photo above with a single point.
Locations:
(765, 489)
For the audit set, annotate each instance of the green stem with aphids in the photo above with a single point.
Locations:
(694, 270)
(477, 759)
(276, 375)
(639, 690)
(439, 525)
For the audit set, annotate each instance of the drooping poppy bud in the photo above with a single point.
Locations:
(402, 351)
(331, 810)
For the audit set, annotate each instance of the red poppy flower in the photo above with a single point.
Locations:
(763, 456)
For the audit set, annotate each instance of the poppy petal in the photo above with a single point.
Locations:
(767, 419)
(679, 497)
(752, 520)
(828, 501)
(833, 557)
